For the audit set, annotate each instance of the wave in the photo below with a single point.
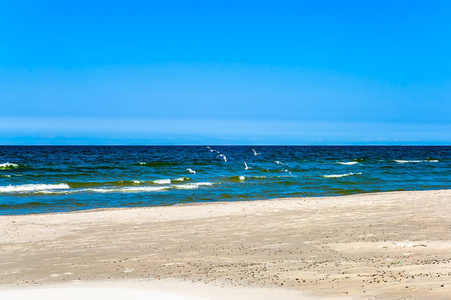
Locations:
(169, 181)
(5, 176)
(126, 189)
(347, 162)
(56, 192)
(193, 185)
(341, 175)
(123, 183)
(156, 164)
(64, 189)
(35, 204)
(362, 159)
(139, 189)
(181, 179)
(8, 166)
(162, 181)
(399, 161)
(87, 184)
(271, 170)
(284, 182)
(24, 205)
(236, 178)
(32, 187)
(130, 189)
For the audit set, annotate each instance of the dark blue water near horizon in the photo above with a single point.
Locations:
(43, 179)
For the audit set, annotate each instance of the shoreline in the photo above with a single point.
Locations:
(101, 209)
(389, 244)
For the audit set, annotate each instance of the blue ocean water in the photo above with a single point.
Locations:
(42, 179)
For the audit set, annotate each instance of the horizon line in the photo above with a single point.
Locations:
(230, 145)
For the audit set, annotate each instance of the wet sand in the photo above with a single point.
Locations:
(387, 245)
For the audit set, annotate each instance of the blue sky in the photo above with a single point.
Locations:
(225, 72)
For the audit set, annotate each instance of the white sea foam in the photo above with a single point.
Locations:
(162, 181)
(181, 179)
(5, 175)
(399, 161)
(347, 162)
(341, 175)
(194, 185)
(242, 178)
(8, 165)
(131, 189)
(32, 187)
(128, 189)
(57, 192)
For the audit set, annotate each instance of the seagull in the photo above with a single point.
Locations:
(255, 153)
(246, 167)
(279, 162)
(223, 156)
(191, 171)
(288, 172)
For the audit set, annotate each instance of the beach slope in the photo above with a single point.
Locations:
(389, 245)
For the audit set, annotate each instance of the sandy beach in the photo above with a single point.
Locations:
(393, 245)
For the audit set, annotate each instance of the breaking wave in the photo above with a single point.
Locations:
(347, 162)
(169, 181)
(181, 179)
(131, 189)
(8, 166)
(193, 185)
(341, 175)
(236, 178)
(32, 187)
(64, 188)
(400, 161)
(88, 184)
(162, 181)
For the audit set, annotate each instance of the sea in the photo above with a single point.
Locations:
(49, 179)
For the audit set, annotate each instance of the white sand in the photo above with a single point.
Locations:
(387, 245)
(161, 290)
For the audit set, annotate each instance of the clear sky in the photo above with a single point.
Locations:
(225, 72)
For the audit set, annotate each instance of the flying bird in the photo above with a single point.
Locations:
(279, 162)
(223, 156)
(255, 152)
(288, 172)
(245, 166)
(191, 171)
